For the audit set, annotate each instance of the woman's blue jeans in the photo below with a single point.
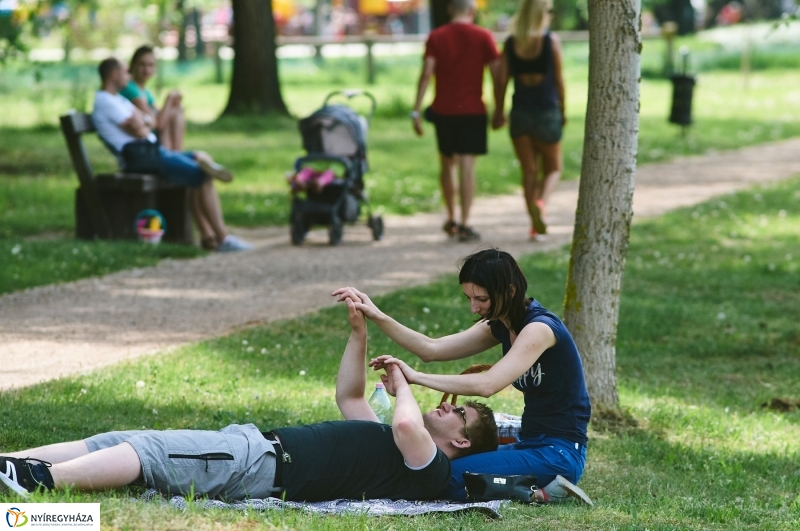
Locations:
(543, 456)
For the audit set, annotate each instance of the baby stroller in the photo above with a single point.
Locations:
(328, 183)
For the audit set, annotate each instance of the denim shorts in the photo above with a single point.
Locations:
(179, 167)
(234, 463)
(542, 125)
(543, 456)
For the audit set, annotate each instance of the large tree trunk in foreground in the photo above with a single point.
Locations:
(603, 216)
(255, 88)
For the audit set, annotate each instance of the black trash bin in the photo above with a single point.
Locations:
(682, 91)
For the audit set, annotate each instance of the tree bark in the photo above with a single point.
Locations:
(605, 195)
(255, 87)
(182, 56)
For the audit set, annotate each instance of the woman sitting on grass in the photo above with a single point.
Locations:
(539, 358)
(168, 122)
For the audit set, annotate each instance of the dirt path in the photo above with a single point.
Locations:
(58, 330)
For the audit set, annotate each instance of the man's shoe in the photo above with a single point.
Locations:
(450, 227)
(561, 490)
(233, 244)
(467, 234)
(215, 170)
(23, 476)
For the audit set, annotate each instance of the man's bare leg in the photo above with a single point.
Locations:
(447, 182)
(466, 167)
(104, 469)
(54, 453)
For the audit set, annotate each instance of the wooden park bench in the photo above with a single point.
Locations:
(106, 205)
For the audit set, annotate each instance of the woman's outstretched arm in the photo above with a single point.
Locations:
(529, 345)
(476, 339)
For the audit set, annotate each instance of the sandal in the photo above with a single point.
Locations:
(467, 234)
(450, 227)
(209, 243)
(535, 236)
(536, 219)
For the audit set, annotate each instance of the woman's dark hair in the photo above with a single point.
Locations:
(140, 51)
(497, 272)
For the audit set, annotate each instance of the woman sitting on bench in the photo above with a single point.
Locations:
(168, 122)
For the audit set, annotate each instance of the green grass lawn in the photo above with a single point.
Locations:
(37, 182)
(707, 334)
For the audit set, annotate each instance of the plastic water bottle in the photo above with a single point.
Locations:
(381, 405)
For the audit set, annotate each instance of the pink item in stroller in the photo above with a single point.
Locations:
(309, 179)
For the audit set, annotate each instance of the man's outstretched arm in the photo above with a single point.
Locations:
(408, 429)
(352, 377)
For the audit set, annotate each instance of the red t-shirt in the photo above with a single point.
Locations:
(461, 51)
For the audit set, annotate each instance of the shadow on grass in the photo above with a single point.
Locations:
(651, 480)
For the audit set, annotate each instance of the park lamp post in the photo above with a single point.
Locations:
(682, 92)
(669, 30)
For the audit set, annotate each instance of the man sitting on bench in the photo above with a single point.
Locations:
(357, 458)
(119, 122)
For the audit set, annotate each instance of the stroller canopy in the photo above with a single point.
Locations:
(336, 130)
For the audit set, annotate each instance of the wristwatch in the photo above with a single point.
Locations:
(414, 115)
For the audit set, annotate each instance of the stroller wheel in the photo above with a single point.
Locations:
(299, 227)
(376, 224)
(335, 231)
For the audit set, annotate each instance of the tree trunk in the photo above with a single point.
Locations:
(254, 85)
(199, 44)
(603, 216)
(182, 56)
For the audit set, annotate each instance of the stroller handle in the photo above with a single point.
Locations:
(353, 93)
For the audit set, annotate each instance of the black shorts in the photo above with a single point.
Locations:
(461, 134)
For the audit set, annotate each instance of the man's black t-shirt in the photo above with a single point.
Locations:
(354, 459)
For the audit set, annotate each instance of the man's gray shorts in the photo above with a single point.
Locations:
(234, 463)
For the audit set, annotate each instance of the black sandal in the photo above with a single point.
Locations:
(467, 234)
(209, 243)
(450, 227)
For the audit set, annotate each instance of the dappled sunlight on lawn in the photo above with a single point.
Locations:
(705, 426)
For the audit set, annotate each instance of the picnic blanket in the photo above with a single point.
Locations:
(368, 507)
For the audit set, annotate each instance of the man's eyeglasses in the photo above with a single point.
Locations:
(463, 413)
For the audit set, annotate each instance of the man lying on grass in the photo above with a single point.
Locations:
(357, 458)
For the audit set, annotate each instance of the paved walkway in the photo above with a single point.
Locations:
(58, 330)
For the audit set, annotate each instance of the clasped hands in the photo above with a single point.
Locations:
(360, 306)
(396, 368)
